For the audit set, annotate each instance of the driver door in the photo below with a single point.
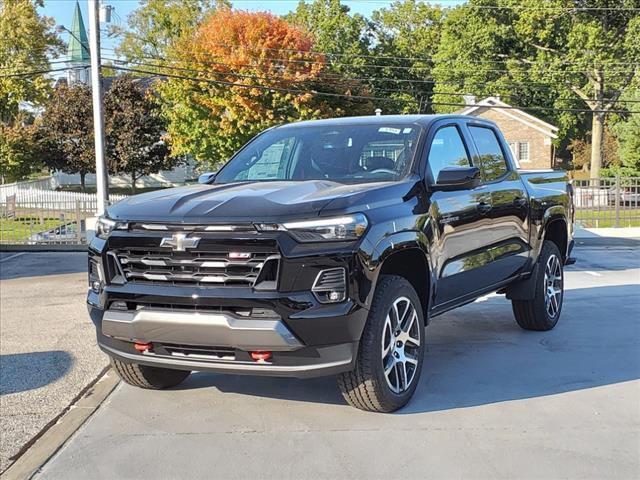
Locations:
(462, 225)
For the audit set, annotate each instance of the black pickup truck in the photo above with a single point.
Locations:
(325, 247)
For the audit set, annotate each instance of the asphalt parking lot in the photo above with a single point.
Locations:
(48, 352)
(493, 402)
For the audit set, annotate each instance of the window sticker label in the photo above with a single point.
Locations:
(394, 131)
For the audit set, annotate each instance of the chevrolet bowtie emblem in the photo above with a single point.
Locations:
(180, 242)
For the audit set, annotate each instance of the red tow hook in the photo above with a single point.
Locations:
(143, 347)
(261, 356)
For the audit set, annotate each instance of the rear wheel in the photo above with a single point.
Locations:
(542, 312)
(390, 356)
(144, 376)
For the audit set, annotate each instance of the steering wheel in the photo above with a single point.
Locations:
(384, 170)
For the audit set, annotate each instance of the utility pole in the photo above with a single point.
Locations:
(98, 118)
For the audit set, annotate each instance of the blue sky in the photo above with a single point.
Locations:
(62, 10)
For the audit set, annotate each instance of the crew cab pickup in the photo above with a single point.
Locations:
(324, 248)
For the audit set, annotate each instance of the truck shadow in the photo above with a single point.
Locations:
(38, 264)
(617, 260)
(20, 372)
(478, 355)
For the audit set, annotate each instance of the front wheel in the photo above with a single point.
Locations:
(389, 359)
(542, 312)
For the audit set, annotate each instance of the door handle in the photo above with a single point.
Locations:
(520, 202)
(483, 208)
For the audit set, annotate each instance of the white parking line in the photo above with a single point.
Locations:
(593, 274)
(12, 256)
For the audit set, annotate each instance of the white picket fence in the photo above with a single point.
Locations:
(53, 200)
(8, 189)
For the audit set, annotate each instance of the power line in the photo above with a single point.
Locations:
(380, 66)
(424, 59)
(392, 57)
(258, 77)
(52, 62)
(32, 73)
(164, 65)
(395, 67)
(356, 97)
(513, 7)
(334, 76)
(365, 79)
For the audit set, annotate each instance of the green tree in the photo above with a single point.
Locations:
(135, 131)
(555, 54)
(67, 122)
(407, 37)
(592, 51)
(232, 88)
(477, 48)
(26, 43)
(21, 148)
(628, 132)
(342, 37)
(157, 25)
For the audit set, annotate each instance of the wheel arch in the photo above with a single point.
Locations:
(404, 254)
(556, 230)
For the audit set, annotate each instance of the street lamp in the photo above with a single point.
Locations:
(62, 29)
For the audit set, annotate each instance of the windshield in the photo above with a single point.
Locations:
(340, 153)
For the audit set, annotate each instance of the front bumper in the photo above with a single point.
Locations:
(201, 328)
(307, 362)
(325, 340)
(306, 337)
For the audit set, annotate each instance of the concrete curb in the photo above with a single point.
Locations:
(55, 434)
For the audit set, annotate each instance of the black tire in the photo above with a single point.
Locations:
(367, 387)
(144, 376)
(537, 314)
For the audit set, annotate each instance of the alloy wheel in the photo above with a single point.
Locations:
(553, 286)
(401, 338)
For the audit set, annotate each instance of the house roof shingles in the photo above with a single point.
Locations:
(512, 112)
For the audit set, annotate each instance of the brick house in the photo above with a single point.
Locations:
(530, 139)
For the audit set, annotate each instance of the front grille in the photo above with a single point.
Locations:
(165, 266)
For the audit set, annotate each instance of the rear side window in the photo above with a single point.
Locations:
(447, 150)
(494, 165)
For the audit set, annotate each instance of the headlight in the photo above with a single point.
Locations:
(349, 227)
(104, 226)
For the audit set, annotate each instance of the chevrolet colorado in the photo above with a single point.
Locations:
(325, 247)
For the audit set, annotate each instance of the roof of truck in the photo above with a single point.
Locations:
(423, 120)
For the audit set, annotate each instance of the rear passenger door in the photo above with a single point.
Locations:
(509, 201)
(460, 222)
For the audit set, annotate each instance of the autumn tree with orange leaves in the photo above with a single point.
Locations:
(242, 72)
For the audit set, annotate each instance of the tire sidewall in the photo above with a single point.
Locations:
(399, 287)
(548, 249)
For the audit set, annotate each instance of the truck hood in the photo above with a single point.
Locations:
(251, 201)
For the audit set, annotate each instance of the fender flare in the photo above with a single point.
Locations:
(525, 289)
(392, 244)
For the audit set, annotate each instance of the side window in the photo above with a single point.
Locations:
(492, 158)
(272, 164)
(447, 150)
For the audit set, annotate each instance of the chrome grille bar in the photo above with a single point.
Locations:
(192, 267)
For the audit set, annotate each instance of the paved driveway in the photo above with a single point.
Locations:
(48, 352)
(493, 402)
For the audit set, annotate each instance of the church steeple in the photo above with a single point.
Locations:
(78, 49)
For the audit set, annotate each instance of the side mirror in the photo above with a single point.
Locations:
(458, 178)
(207, 177)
